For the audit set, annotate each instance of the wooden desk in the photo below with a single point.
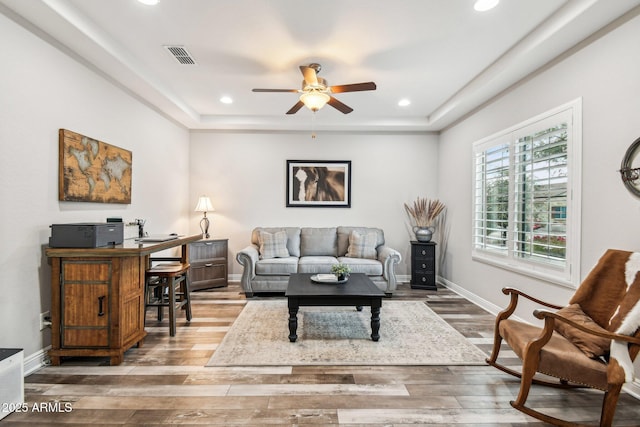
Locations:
(97, 297)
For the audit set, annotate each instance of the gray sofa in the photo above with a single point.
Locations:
(267, 264)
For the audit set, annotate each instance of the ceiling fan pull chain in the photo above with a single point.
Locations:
(313, 125)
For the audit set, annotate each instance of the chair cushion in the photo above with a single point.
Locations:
(558, 358)
(318, 241)
(591, 345)
(273, 245)
(362, 245)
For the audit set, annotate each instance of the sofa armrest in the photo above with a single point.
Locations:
(389, 258)
(248, 257)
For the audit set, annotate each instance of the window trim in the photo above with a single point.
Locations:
(569, 275)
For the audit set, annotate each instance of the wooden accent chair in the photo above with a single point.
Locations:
(591, 342)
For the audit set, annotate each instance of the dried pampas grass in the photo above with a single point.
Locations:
(424, 212)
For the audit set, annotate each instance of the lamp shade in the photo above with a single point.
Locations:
(314, 100)
(204, 205)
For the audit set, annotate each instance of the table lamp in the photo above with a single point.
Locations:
(204, 205)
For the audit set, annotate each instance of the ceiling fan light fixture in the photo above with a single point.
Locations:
(484, 5)
(314, 100)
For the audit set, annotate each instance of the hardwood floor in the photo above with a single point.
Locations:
(165, 382)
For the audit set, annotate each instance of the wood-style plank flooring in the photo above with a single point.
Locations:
(165, 382)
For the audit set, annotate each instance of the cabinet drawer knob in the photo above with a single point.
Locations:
(424, 252)
(424, 265)
(208, 265)
(424, 279)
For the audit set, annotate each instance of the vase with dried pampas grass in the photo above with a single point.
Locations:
(423, 212)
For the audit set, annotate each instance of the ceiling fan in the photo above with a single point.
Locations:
(315, 92)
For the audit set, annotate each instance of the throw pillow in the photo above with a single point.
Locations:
(591, 345)
(273, 245)
(362, 245)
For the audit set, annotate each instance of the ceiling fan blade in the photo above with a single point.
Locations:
(274, 90)
(339, 105)
(295, 108)
(310, 76)
(355, 87)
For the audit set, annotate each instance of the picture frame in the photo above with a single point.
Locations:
(92, 171)
(319, 183)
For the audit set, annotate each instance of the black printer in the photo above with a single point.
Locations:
(86, 235)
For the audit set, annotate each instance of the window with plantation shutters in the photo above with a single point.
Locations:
(526, 198)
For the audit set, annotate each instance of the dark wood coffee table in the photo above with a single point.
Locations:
(358, 291)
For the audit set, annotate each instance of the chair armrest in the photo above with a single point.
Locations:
(513, 302)
(544, 314)
(617, 373)
(516, 292)
(389, 258)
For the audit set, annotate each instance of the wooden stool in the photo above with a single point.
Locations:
(167, 285)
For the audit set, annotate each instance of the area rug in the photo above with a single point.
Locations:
(410, 334)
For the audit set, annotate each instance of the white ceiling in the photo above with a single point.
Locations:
(441, 54)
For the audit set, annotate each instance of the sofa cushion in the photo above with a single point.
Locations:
(316, 264)
(293, 237)
(591, 345)
(370, 267)
(344, 233)
(318, 241)
(362, 245)
(273, 245)
(277, 266)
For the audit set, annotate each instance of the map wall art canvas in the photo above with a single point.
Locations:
(92, 170)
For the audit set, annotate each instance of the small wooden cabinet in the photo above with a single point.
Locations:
(209, 261)
(423, 265)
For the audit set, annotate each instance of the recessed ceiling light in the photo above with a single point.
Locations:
(404, 102)
(484, 5)
(226, 100)
(149, 2)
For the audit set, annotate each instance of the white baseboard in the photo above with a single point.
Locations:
(633, 389)
(480, 302)
(36, 361)
(403, 278)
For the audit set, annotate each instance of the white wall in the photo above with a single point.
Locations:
(41, 91)
(605, 75)
(245, 174)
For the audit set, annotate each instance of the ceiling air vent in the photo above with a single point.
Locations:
(181, 55)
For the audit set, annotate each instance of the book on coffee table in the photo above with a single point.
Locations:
(327, 277)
